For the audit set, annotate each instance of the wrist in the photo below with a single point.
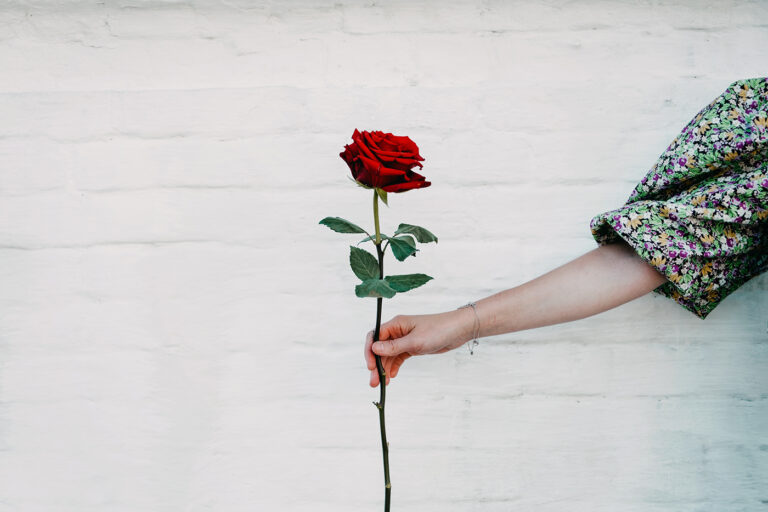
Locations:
(466, 323)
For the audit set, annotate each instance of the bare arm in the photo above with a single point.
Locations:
(599, 280)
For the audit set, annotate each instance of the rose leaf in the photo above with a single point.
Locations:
(341, 225)
(374, 288)
(423, 235)
(402, 246)
(363, 263)
(405, 282)
(373, 237)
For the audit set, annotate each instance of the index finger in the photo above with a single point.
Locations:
(369, 357)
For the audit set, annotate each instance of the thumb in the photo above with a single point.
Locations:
(392, 347)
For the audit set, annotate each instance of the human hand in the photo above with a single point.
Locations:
(409, 335)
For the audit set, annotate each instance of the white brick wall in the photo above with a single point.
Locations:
(178, 333)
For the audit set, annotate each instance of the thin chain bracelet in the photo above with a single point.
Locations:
(473, 342)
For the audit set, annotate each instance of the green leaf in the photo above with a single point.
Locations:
(423, 235)
(374, 288)
(341, 225)
(402, 246)
(363, 263)
(373, 237)
(383, 195)
(405, 282)
(368, 238)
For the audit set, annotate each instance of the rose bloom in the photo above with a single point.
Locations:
(385, 161)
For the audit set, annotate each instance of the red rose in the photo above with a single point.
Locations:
(382, 160)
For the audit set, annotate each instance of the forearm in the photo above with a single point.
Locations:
(599, 280)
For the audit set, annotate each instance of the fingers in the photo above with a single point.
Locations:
(370, 359)
(391, 368)
(397, 363)
(387, 364)
(374, 382)
(391, 348)
(393, 352)
(375, 373)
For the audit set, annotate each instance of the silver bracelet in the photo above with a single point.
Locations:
(473, 342)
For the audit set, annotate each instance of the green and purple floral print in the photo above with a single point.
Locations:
(700, 215)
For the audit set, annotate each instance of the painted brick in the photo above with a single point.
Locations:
(177, 331)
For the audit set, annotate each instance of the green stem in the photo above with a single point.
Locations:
(376, 217)
(379, 366)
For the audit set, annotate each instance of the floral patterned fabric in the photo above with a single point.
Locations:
(700, 215)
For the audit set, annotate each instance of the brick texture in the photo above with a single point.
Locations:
(177, 332)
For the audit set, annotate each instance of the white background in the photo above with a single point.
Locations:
(178, 333)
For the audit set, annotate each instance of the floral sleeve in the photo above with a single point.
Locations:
(700, 215)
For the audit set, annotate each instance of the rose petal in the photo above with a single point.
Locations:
(379, 175)
(350, 151)
(384, 160)
(349, 155)
(402, 187)
(404, 143)
(366, 175)
(388, 145)
(364, 149)
(397, 159)
(381, 169)
(397, 152)
(390, 142)
(414, 176)
(371, 140)
(400, 163)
